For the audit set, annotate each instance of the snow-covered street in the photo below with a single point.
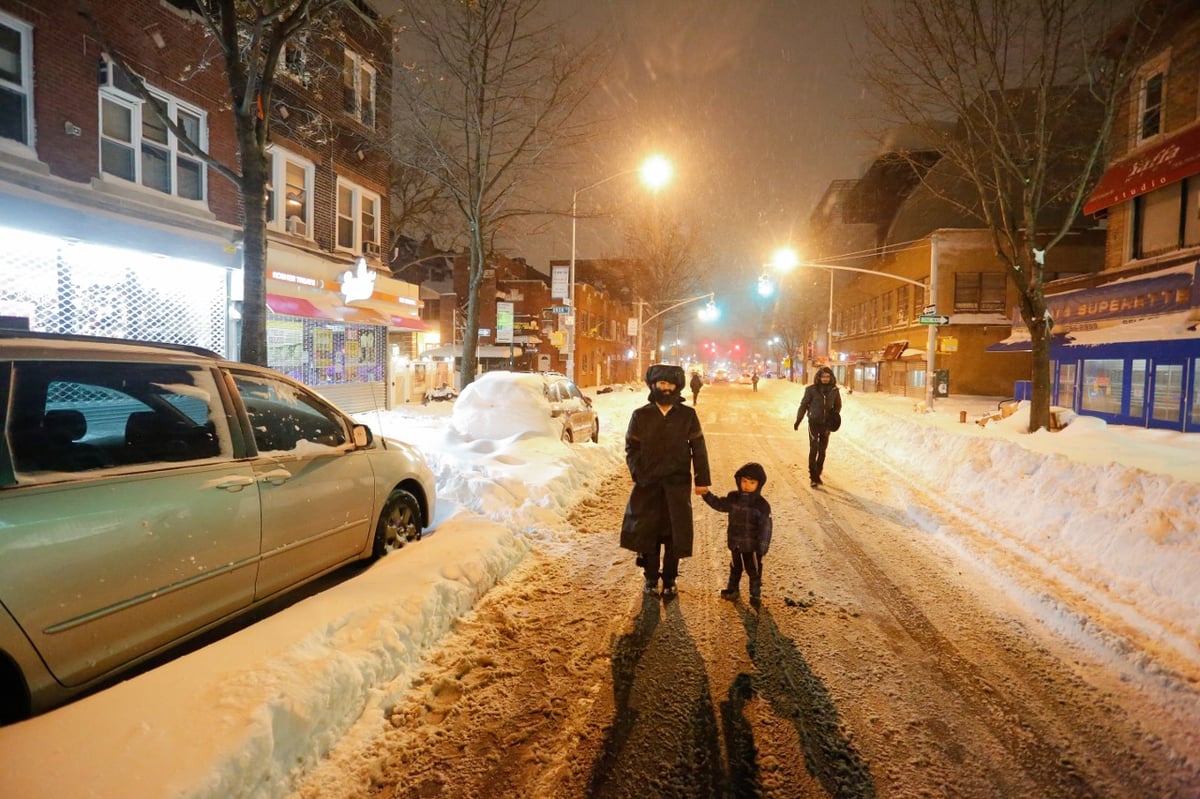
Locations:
(960, 610)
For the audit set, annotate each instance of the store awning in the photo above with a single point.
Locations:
(894, 350)
(407, 323)
(482, 351)
(1174, 158)
(295, 306)
(325, 306)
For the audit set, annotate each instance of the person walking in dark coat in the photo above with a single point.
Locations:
(823, 403)
(749, 531)
(696, 384)
(664, 445)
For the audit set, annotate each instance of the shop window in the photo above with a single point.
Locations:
(1137, 388)
(358, 88)
(136, 143)
(1066, 385)
(1151, 90)
(1194, 418)
(1168, 391)
(1103, 380)
(357, 218)
(290, 210)
(16, 81)
(979, 292)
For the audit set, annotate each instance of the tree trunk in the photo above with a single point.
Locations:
(477, 263)
(254, 245)
(1039, 401)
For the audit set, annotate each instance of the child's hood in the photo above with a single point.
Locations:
(754, 471)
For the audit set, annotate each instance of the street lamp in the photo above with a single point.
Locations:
(708, 313)
(655, 172)
(786, 259)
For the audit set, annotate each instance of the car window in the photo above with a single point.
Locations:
(284, 417)
(79, 416)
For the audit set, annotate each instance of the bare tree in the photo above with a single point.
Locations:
(487, 94)
(663, 253)
(246, 41)
(1031, 87)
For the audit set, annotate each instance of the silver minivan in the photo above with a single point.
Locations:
(149, 492)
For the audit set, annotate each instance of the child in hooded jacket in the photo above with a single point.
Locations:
(749, 531)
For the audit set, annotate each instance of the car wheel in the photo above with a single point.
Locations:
(399, 523)
(567, 436)
(596, 432)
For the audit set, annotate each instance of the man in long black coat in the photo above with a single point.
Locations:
(663, 446)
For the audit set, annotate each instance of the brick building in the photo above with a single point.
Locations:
(1127, 337)
(113, 228)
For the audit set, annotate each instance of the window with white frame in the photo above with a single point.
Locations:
(289, 210)
(137, 145)
(16, 81)
(1151, 86)
(358, 85)
(357, 218)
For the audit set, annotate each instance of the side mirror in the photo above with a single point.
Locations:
(363, 437)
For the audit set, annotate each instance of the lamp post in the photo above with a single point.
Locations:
(655, 172)
(785, 258)
(707, 313)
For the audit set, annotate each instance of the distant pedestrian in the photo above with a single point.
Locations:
(754, 380)
(696, 384)
(748, 534)
(664, 445)
(823, 404)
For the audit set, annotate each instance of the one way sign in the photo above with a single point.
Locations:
(930, 319)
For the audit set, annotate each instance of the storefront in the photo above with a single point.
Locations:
(335, 326)
(70, 267)
(1128, 351)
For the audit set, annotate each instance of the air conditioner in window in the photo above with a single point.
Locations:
(370, 249)
(295, 226)
(110, 76)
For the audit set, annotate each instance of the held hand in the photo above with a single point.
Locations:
(796, 426)
(701, 490)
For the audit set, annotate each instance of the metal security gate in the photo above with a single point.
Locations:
(94, 290)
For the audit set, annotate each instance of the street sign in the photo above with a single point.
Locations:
(930, 319)
(562, 308)
(929, 309)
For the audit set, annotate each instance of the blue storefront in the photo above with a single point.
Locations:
(1128, 351)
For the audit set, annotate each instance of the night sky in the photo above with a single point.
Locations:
(756, 102)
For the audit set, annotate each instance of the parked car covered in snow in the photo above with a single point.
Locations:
(149, 492)
(500, 404)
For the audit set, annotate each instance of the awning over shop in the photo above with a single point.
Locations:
(482, 351)
(894, 350)
(295, 306)
(407, 323)
(324, 307)
(1174, 158)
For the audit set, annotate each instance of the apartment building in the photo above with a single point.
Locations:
(1126, 344)
(113, 227)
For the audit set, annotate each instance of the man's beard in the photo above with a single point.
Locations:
(669, 397)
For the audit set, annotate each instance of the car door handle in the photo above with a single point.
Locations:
(234, 482)
(275, 477)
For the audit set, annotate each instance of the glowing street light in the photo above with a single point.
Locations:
(786, 259)
(655, 172)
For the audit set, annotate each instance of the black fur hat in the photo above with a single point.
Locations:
(665, 371)
(672, 374)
